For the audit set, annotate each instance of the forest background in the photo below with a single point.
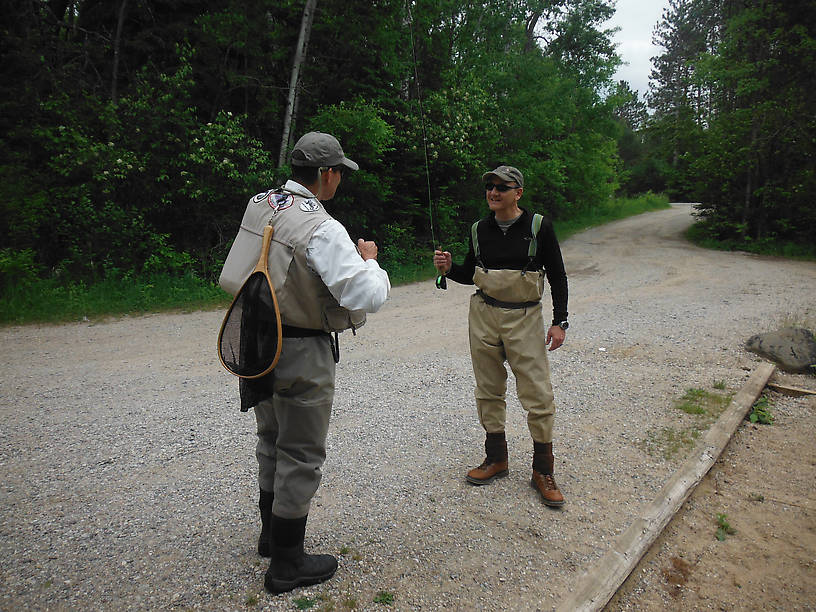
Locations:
(134, 131)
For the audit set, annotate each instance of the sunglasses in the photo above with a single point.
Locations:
(499, 188)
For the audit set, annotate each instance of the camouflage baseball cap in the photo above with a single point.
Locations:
(506, 173)
(316, 149)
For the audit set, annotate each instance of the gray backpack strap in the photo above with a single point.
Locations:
(535, 227)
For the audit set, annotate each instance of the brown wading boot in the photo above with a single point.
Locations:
(495, 463)
(543, 480)
(289, 566)
(265, 539)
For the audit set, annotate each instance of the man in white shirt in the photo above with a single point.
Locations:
(324, 284)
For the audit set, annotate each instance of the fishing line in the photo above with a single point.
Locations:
(441, 282)
(421, 120)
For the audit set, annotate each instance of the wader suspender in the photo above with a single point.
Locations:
(535, 227)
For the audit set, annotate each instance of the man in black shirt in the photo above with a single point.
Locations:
(510, 252)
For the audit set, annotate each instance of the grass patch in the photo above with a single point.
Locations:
(668, 441)
(703, 406)
(46, 301)
(723, 528)
(401, 273)
(613, 210)
(384, 597)
(304, 603)
(701, 235)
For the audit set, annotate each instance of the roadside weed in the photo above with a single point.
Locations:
(723, 527)
(668, 441)
(384, 597)
(704, 403)
(304, 603)
(761, 411)
(703, 406)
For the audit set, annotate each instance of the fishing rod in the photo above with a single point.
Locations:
(441, 279)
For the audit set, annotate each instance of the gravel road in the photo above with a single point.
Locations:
(129, 474)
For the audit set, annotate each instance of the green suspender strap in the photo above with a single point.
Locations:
(535, 227)
(475, 239)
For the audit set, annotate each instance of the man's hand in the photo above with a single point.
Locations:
(442, 261)
(556, 335)
(367, 248)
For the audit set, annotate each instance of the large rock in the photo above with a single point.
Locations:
(792, 349)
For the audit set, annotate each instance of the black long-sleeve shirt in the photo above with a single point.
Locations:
(500, 251)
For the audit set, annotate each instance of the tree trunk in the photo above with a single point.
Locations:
(530, 26)
(747, 212)
(116, 45)
(300, 54)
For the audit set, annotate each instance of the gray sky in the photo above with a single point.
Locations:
(637, 19)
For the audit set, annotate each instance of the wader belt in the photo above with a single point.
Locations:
(493, 302)
(290, 331)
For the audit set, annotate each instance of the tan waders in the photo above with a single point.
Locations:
(506, 323)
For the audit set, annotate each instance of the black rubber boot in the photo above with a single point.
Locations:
(289, 566)
(265, 505)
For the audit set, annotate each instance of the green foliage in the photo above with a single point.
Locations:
(384, 597)
(761, 411)
(711, 236)
(669, 441)
(129, 154)
(49, 300)
(610, 210)
(304, 603)
(723, 527)
(706, 404)
(732, 104)
(703, 407)
(17, 269)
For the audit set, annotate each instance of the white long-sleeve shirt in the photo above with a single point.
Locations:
(355, 284)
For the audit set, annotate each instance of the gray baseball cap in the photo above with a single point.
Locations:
(317, 150)
(506, 173)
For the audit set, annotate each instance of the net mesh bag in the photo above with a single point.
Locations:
(250, 335)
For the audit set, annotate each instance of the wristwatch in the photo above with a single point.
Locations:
(564, 325)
